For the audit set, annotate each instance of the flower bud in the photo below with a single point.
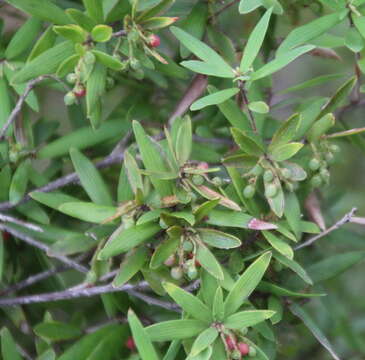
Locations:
(154, 41)
(286, 173)
(197, 179)
(230, 342)
(79, 91)
(236, 355)
(130, 344)
(170, 261)
(192, 273)
(257, 170)
(217, 181)
(243, 348)
(330, 158)
(335, 148)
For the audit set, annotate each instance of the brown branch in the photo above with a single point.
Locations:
(11, 219)
(245, 103)
(346, 219)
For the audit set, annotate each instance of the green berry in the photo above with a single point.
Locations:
(197, 179)
(236, 355)
(268, 176)
(135, 64)
(335, 148)
(71, 78)
(330, 158)
(176, 273)
(286, 173)
(316, 181)
(192, 273)
(325, 175)
(252, 352)
(257, 170)
(249, 191)
(271, 190)
(217, 181)
(314, 164)
(89, 58)
(70, 98)
(188, 246)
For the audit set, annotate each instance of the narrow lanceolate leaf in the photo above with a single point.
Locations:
(130, 265)
(203, 51)
(209, 262)
(141, 338)
(246, 143)
(206, 338)
(175, 329)
(312, 326)
(107, 60)
(88, 211)
(95, 10)
(244, 319)
(53, 200)
(133, 173)
(81, 19)
(255, 41)
(286, 131)
(90, 179)
(259, 107)
(280, 62)
(189, 303)
(19, 182)
(310, 31)
(279, 244)
(8, 346)
(128, 239)
(218, 239)
(167, 248)
(286, 151)
(271, 288)
(292, 212)
(45, 63)
(320, 127)
(218, 305)
(246, 284)
(214, 99)
(184, 141)
(57, 331)
(350, 132)
(276, 202)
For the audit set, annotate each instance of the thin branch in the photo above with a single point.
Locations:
(346, 219)
(246, 102)
(222, 9)
(119, 33)
(41, 246)
(11, 219)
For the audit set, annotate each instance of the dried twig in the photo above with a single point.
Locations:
(347, 218)
(11, 219)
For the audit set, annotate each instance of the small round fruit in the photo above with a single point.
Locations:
(197, 179)
(170, 261)
(243, 348)
(236, 355)
(271, 190)
(325, 175)
(130, 344)
(252, 352)
(192, 273)
(268, 176)
(217, 181)
(335, 148)
(70, 98)
(330, 158)
(80, 91)
(135, 64)
(316, 181)
(257, 170)
(286, 173)
(249, 191)
(154, 41)
(188, 246)
(314, 164)
(71, 78)
(176, 273)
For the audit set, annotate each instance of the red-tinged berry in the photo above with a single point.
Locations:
(236, 355)
(176, 273)
(130, 344)
(80, 91)
(230, 342)
(197, 263)
(243, 348)
(203, 165)
(154, 41)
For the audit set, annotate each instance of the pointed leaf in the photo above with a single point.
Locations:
(214, 99)
(246, 143)
(209, 262)
(206, 338)
(244, 319)
(286, 151)
(279, 245)
(218, 239)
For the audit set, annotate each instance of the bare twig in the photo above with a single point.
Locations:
(346, 219)
(39, 245)
(357, 220)
(11, 219)
(222, 9)
(245, 103)
(119, 33)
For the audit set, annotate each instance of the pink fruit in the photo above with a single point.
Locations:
(243, 348)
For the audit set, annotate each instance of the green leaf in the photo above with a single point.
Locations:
(102, 33)
(218, 239)
(88, 211)
(72, 32)
(94, 9)
(42, 9)
(45, 63)
(53, 200)
(209, 262)
(167, 248)
(353, 40)
(189, 303)
(286, 131)
(271, 288)
(320, 127)
(5, 103)
(222, 43)
(246, 284)
(246, 143)
(247, 6)
(255, 42)
(218, 305)
(248, 318)
(131, 264)
(108, 61)
(285, 151)
(8, 346)
(203, 51)
(280, 61)
(81, 19)
(57, 331)
(23, 38)
(202, 67)
(277, 202)
(161, 7)
(67, 66)
(204, 209)
(206, 338)
(175, 329)
(259, 107)
(184, 140)
(314, 329)
(312, 30)
(128, 239)
(278, 244)
(19, 182)
(133, 173)
(214, 99)
(45, 42)
(160, 22)
(292, 212)
(90, 179)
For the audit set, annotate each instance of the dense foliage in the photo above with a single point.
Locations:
(192, 225)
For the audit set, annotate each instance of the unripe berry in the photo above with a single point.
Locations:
(217, 181)
(236, 355)
(130, 344)
(325, 175)
(330, 158)
(268, 176)
(170, 261)
(197, 179)
(176, 273)
(316, 181)
(192, 273)
(271, 190)
(71, 78)
(89, 58)
(188, 246)
(314, 164)
(335, 148)
(80, 91)
(249, 191)
(203, 165)
(253, 352)
(243, 348)
(286, 173)
(257, 170)
(154, 41)
(70, 98)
